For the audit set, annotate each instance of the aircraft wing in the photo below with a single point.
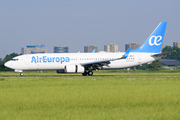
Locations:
(161, 54)
(99, 64)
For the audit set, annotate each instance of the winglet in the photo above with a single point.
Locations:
(126, 54)
(94, 51)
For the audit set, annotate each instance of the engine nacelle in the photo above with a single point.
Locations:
(74, 69)
(60, 71)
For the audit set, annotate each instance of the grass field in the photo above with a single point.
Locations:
(89, 98)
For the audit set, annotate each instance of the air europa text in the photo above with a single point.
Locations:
(45, 59)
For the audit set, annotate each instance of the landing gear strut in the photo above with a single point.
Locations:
(89, 73)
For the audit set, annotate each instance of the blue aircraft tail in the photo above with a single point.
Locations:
(154, 43)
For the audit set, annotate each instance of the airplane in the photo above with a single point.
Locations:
(86, 62)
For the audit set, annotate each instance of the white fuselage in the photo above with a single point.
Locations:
(57, 61)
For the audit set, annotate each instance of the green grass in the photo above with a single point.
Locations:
(87, 98)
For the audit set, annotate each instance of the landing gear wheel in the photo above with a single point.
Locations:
(90, 73)
(21, 74)
(85, 73)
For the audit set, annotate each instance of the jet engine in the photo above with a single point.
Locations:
(74, 69)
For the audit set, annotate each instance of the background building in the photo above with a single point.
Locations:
(90, 48)
(176, 44)
(61, 49)
(132, 45)
(111, 48)
(33, 49)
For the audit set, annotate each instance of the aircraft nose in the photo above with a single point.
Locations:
(7, 64)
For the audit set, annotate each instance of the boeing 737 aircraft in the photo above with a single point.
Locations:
(86, 62)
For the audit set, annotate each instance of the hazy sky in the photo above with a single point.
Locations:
(77, 23)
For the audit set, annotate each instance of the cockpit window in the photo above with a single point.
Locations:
(14, 59)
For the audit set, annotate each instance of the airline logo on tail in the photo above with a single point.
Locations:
(156, 41)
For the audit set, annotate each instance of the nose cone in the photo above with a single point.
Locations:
(7, 64)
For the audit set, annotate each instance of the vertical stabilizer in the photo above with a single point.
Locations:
(154, 43)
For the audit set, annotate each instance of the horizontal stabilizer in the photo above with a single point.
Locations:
(161, 54)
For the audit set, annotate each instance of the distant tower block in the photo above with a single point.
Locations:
(111, 48)
(176, 44)
(90, 48)
(33, 49)
(132, 45)
(61, 49)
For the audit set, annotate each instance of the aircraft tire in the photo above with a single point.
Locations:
(21, 74)
(85, 73)
(90, 73)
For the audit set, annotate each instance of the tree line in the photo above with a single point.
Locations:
(7, 58)
(175, 55)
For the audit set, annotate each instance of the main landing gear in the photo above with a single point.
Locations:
(21, 74)
(89, 73)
